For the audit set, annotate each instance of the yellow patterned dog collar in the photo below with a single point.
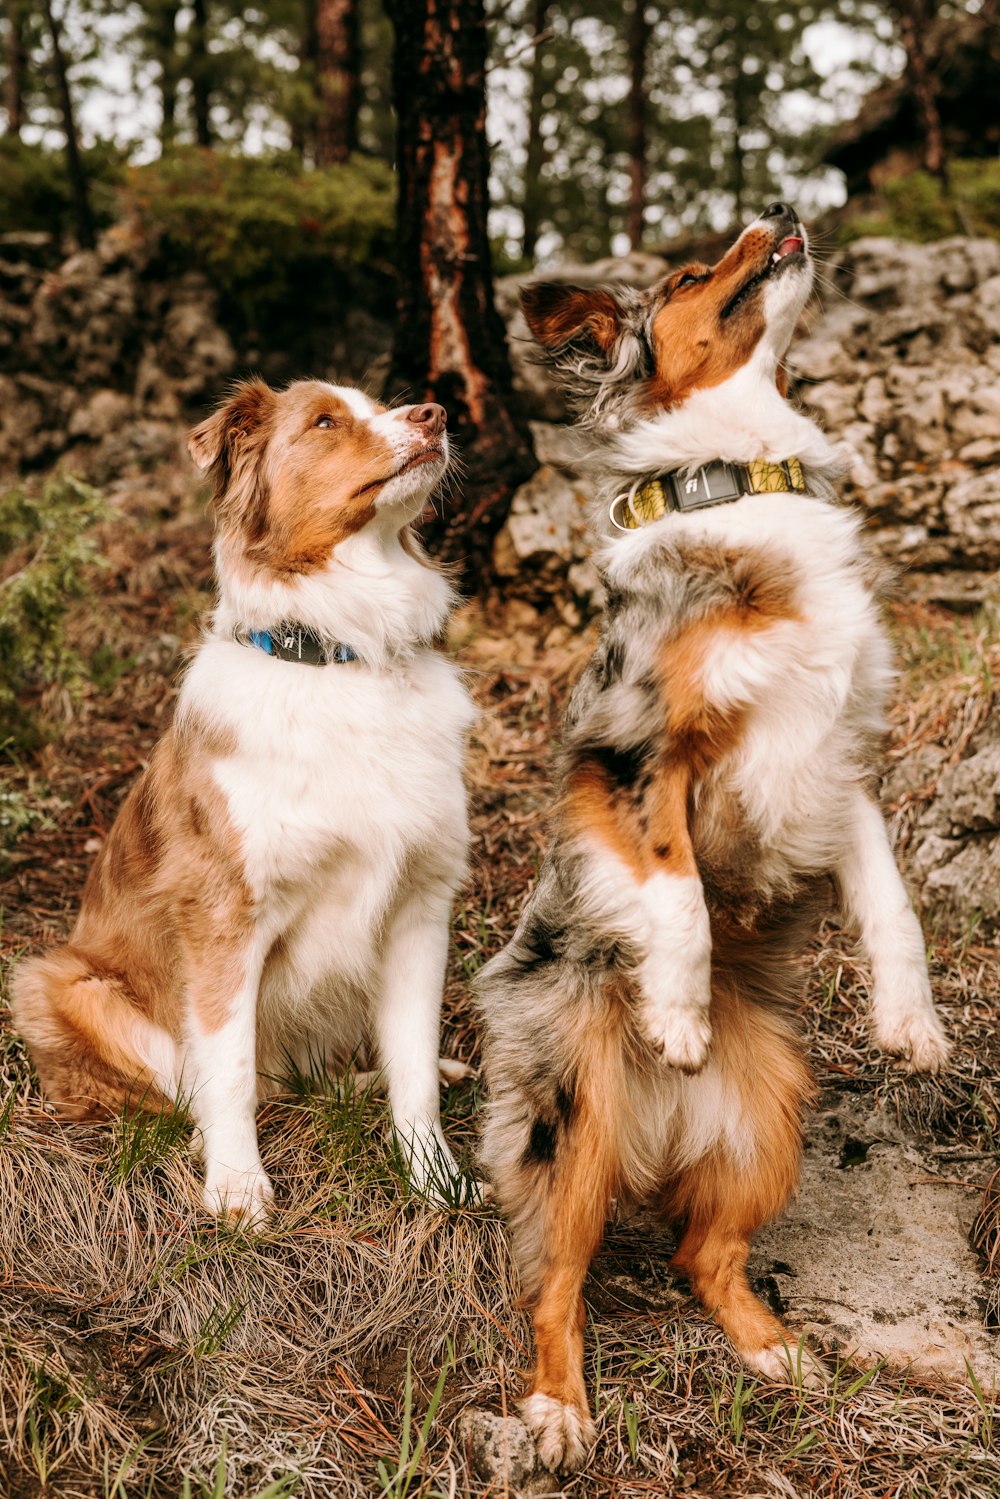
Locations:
(715, 483)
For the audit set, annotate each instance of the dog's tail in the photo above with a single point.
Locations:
(94, 1050)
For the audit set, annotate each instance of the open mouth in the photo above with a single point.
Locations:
(792, 247)
(426, 455)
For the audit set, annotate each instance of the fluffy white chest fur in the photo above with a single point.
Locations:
(345, 785)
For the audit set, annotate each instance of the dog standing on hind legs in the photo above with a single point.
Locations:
(279, 880)
(714, 773)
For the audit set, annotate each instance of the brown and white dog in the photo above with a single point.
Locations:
(279, 880)
(715, 770)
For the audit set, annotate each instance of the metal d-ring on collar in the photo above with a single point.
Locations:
(716, 483)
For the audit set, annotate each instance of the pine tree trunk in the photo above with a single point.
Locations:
(199, 73)
(535, 158)
(302, 130)
(337, 79)
(13, 83)
(450, 342)
(914, 18)
(164, 32)
(638, 44)
(74, 163)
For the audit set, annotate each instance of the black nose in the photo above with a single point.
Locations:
(779, 211)
(432, 416)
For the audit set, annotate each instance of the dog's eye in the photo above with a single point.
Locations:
(325, 422)
(688, 279)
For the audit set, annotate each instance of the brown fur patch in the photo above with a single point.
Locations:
(164, 921)
(556, 314)
(694, 346)
(576, 1205)
(647, 826)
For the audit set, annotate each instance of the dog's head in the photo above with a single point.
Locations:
(625, 354)
(298, 471)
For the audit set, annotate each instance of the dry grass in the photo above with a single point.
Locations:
(145, 1351)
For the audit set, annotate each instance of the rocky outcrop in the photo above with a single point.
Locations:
(98, 354)
(903, 365)
(955, 842)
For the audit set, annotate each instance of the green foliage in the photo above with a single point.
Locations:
(260, 226)
(918, 208)
(34, 186)
(46, 541)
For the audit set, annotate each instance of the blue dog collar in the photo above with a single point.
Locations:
(296, 643)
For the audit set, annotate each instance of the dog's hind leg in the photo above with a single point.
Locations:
(744, 1180)
(95, 1051)
(553, 1156)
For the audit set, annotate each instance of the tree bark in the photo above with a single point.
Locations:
(74, 163)
(337, 78)
(199, 72)
(303, 130)
(13, 83)
(914, 18)
(535, 157)
(638, 46)
(163, 35)
(450, 343)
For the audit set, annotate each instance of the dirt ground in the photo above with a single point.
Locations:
(146, 1351)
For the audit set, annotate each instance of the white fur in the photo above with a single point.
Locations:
(666, 920)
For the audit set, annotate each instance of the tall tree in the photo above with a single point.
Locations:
(14, 59)
(914, 19)
(638, 46)
(74, 163)
(531, 201)
(450, 344)
(200, 72)
(338, 82)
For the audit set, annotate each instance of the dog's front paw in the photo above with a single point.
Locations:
(564, 1434)
(681, 1035)
(915, 1035)
(243, 1197)
(789, 1364)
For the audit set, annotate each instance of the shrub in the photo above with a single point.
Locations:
(47, 544)
(261, 228)
(917, 207)
(34, 187)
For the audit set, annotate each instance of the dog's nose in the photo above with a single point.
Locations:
(432, 416)
(780, 211)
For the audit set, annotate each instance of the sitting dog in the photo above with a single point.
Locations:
(278, 883)
(715, 769)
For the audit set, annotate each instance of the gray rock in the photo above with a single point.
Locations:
(546, 529)
(500, 1448)
(955, 844)
(873, 1259)
(557, 445)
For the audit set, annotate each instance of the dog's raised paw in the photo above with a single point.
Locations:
(564, 1434)
(681, 1036)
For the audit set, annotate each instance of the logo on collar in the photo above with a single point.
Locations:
(717, 483)
(287, 642)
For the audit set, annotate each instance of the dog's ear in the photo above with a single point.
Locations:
(216, 443)
(595, 339)
(559, 315)
(229, 445)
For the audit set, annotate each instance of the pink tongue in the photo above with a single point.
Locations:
(789, 246)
